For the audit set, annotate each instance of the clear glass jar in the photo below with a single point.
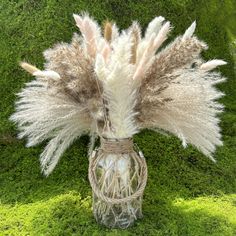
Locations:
(118, 175)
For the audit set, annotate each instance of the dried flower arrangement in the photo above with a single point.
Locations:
(112, 85)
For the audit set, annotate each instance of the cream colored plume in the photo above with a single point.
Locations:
(161, 36)
(91, 33)
(154, 26)
(28, 67)
(47, 73)
(36, 72)
(210, 65)
(189, 32)
(149, 46)
(117, 82)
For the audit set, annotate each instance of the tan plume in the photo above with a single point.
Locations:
(135, 34)
(28, 67)
(108, 30)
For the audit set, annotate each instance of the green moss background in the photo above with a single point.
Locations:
(186, 193)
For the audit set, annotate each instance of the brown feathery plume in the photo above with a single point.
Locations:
(108, 30)
(177, 55)
(76, 71)
(77, 80)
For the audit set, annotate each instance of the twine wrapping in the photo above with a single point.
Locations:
(122, 146)
(114, 146)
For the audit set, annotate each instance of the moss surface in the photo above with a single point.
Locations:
(186, 193)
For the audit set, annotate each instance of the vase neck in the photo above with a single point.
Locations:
(117, 146)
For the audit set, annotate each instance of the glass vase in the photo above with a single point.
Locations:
(118, 175)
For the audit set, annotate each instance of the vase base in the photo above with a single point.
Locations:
(118, 215)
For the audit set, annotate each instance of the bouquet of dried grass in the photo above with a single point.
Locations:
(112, 85)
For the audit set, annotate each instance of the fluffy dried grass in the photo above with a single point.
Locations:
(116, 85)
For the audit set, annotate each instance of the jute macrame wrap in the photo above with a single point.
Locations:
(118, 147)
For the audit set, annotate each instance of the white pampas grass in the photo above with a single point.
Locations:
(91, 33)
(148, 48)
(41, 116)
(154, 26)
(210, 65)
(121, 96)
(191, 110)
(117, 88)
(162, 35)
(100, 67)
(47, 74)
(115, 85)
(189, 32)
(143, 64)
(115, 32)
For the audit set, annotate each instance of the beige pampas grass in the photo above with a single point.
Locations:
(115, 85)
(108, 31)
(135, 38)
(28, 67)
